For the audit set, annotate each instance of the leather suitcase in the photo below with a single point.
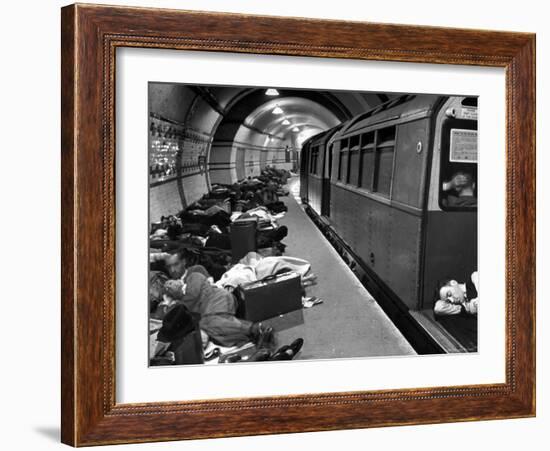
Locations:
(272, 296)
(243, 237)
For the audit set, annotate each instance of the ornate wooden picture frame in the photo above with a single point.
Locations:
(90, 37)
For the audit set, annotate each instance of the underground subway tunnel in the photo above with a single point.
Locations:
(235, 130)
(294, 224)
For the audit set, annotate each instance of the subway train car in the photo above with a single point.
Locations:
(377, 186)
(314, 183)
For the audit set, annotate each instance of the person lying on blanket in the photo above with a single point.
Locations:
(217, 307)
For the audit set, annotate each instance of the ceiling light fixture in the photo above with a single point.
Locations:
(271, 92)
(295, 129)
(277, 110)
(286, 122)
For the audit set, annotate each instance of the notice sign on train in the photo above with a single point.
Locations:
(463, 146)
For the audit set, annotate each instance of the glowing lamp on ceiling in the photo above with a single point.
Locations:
(295, 129)
(271, 92)
(286, 122)
(277, 110)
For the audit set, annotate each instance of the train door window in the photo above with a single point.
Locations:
(305, 159)
(367, 160)
(385, 149)
(314, 156)
(340, 158)
(343, 170)
(316, 168)
(353, 165)
(316, 160)
(458, 174)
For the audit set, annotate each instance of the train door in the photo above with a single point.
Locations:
(407, 213)
(304, 169)
(314, 183)
(451, 223)
(327, 172)
(451, 234)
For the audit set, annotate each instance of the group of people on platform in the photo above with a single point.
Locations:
(193, 274)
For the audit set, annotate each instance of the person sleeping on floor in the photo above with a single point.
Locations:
(456, 298)
(192, 286)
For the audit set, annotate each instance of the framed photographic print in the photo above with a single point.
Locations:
(278, 225)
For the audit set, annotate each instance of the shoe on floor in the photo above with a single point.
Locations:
(288, 352)
(283, 353)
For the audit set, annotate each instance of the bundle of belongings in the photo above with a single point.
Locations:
(210, 221)
(221, 228)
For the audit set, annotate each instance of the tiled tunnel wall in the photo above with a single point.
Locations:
(184, 161)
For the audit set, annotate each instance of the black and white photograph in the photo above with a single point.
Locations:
(266, 226)
(291, 224)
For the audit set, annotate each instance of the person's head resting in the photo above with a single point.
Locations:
(463, 183)
(177, 263)
(451, 291)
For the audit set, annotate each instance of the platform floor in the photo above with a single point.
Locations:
(349, 323)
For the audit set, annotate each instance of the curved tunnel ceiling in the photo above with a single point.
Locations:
(310, 111)
(307, 116)
(235, 129)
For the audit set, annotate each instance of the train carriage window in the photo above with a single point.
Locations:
(317, 168)
(353, 164)
(470, 101)
(318, 165)
(385, 149)
(343, 168)
(367, 160)
(340, 158)
(458, 175)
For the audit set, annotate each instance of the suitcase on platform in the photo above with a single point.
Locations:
(243, 237)
(272, 296)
